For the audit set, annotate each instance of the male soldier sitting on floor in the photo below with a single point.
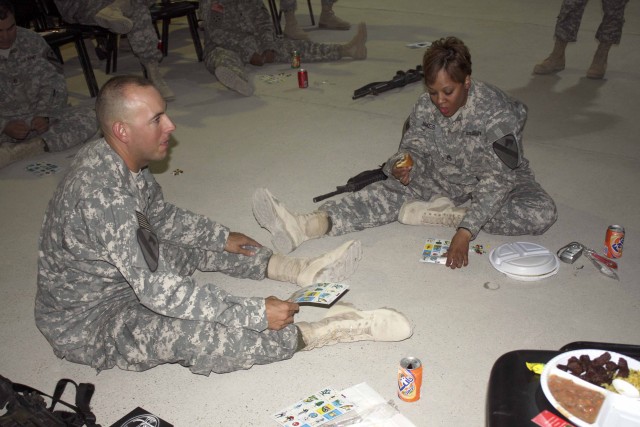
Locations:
(34, 114)
(239, 32)
(115, 267)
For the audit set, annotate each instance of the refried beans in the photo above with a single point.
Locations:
(580, 401)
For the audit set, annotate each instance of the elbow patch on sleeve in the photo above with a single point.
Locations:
(508, 150)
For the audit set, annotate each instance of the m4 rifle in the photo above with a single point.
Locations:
(356, 183)
(402, 78)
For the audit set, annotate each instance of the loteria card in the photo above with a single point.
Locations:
(314, 410)
(435, 251)
(319, 293)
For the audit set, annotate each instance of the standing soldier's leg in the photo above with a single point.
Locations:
(328, 18)
(609, 33)
(291, 28)
(567, 25)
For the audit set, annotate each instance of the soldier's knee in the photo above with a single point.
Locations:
(546, 218)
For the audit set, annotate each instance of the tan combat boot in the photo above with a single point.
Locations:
(347, 324)
(11, 152)
(330, 21)
(334, 266)
(599, 64)
(554, 62)
(439, 211)
(233, 81)
(288, 230)
(112, 18)
(291, 28)
(153, 73)
(356, 48)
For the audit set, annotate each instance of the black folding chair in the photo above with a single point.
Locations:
(107, 40)
(166, 10)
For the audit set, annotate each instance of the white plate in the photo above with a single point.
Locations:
(524, 261)
(616, 411)
(532, 278)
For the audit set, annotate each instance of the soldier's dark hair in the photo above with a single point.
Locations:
(111, 98)
(449, 54)
(6, 9)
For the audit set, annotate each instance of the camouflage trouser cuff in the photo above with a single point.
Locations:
(301, 344)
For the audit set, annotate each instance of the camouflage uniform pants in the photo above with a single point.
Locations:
(242, 47)
(609, 30)
(528, 209)
(67, 128)
(289, 5)
(142, 37)
(137, 338)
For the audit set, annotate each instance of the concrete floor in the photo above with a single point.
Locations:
(580, 138)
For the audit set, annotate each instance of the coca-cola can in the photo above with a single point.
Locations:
(303, 78)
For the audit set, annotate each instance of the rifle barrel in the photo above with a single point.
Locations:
(326, 196)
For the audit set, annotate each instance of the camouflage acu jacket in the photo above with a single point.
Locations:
(455, 157)
(91, 267)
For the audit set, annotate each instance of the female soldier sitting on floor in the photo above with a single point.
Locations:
(464, 144)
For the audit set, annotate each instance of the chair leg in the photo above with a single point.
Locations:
(313, 21)
(193, 27)
(56, 50)
(275, 17)
(87, 68)
(165, 36)
(112, 53)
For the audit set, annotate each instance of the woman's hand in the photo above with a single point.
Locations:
(458, 253)
(402, 169)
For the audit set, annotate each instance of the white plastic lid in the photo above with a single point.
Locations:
(524, 261)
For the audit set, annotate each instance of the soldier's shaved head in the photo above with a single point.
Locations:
(112, 100)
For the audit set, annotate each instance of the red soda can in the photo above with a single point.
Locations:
(303, 78)
(409, 379)
(613, 241)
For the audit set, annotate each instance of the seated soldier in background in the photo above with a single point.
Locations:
(130, 17)
(240, 32)
(34, 113)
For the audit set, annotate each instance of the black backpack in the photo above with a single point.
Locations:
(26, 407)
